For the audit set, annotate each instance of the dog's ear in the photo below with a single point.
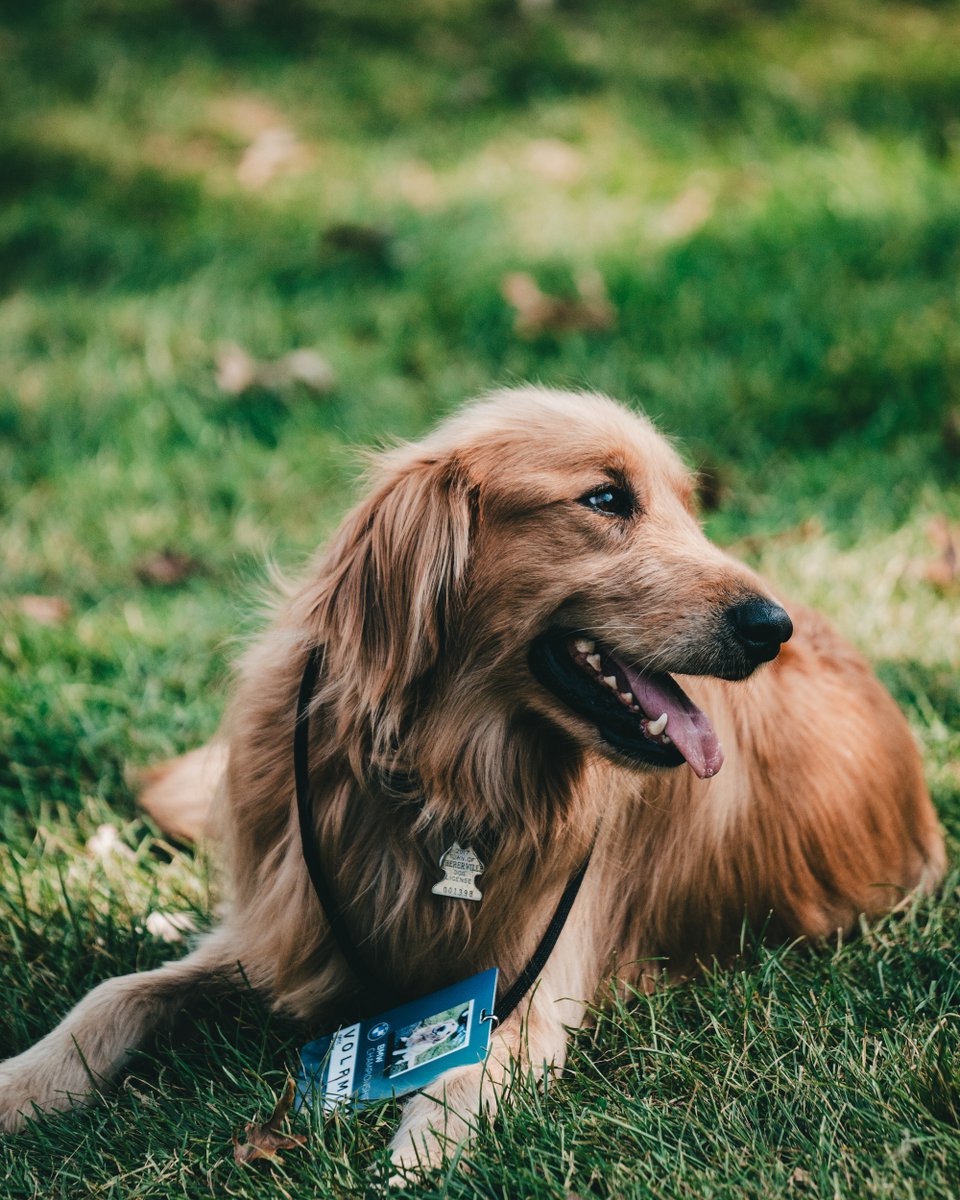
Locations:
(395, 575)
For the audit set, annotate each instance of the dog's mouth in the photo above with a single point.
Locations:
(644, 716)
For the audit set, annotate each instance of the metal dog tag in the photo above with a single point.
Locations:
(460, 868)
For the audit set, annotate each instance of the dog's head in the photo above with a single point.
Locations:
(538, 556)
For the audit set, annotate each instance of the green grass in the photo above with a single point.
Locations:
(769, 189)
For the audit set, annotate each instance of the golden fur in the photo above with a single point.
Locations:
(426, 602)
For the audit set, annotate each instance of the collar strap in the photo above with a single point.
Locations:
(334, 912)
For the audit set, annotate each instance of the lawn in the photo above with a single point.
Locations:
(762, 198)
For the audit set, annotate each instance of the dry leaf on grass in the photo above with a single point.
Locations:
(554, 160)
(950, 432)
(167, 568)
(265, 1140)
(243, 115)
(369, 242)
(712, 487)
(45, 610)
(306, 367)
(538, 312)
(416, 182)
(943, 571)
(807, 531)
(272, 152)
(686, 214)
(238, 371)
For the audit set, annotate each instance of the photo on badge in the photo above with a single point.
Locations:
(402, 1050)
(429, 1039)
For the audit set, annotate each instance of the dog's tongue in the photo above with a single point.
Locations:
(688, 727)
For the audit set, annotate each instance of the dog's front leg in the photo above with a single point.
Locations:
(91, 1044)
(445, 1116)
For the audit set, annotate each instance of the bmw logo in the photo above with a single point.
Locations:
(378, 1031)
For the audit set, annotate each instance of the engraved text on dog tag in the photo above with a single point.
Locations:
(460, 867)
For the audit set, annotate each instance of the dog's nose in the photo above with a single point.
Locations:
(761, 627)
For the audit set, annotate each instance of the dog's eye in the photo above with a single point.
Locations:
(609, 500)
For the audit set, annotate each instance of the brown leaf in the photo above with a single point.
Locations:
(45, 610)
(266, 1139)
(943, 571)
(238, 371)
(712, 486)
(950, 431)
(538, 312)
(369, 242)
(686, 214)
(274, 151)
(806, 531)
(554, 160)
(416, 182)
(167, 568)
(306, 367)
(243, 115)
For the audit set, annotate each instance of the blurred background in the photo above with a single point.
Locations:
(240, 237)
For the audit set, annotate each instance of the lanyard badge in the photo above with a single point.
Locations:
(402, 1050)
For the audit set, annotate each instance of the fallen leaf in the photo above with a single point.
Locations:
(711, 486)
(243, 115)
(236, 369)
(306, 367)
(198, 154)
(801, 1178)
(45, 610)
(365, 241)
(943, 571)
(554, 160)
(265, 1140)
(273, 151)
(537, 312)
(686, 214)
(950, 432)
(806, 531)
(170, 927)
(416, 182)
(167, 568)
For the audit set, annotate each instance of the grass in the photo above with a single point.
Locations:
(769, 190)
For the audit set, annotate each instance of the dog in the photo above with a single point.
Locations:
(528, 646)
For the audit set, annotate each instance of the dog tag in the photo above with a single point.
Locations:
(402, 1050)
(460, 868)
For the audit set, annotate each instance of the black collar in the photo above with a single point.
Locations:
(334, 912)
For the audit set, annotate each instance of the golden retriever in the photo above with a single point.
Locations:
(501, 621)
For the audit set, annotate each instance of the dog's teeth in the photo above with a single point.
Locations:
(584, 646)
(626, 697)
(666, 740)
(610, 681)
(655, 728)
(594, 661)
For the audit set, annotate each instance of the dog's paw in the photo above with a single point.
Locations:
(409, 1165)
(430, 1134)
(11, 1121)
(16, 1098)
(26, 1088)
